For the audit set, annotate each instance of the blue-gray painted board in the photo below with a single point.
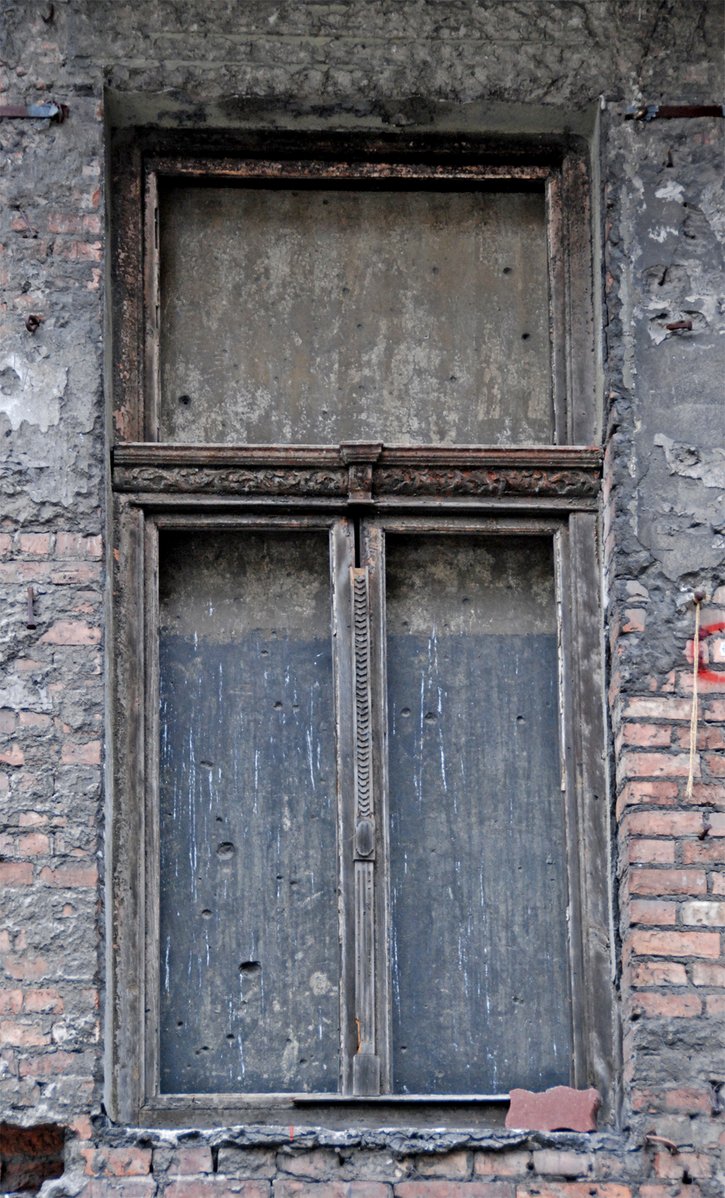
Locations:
(480, 968)
(249, 942)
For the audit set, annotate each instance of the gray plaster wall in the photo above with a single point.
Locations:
(497, 65)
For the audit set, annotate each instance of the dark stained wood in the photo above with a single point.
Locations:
(478, 854)
(413, 474)
(201, 491)
(591, 849)
(126, 898)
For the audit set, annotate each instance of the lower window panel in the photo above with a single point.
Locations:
(248, 926)
(478, 866)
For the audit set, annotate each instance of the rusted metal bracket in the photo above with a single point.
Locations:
(672, 112)
(36, 112)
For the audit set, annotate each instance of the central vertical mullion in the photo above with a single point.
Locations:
(366, 1062)
(372, 561)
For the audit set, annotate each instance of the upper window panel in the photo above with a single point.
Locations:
(296, 314)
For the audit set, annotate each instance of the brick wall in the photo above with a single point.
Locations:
(384, 65)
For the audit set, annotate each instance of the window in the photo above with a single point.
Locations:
(360, 826)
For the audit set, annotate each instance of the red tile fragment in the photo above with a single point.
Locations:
(559, 1109)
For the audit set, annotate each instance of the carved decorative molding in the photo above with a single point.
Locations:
(359, 474)
(502, 480)
(187, 480)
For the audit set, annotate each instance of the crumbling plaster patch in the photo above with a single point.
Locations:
(31, 389)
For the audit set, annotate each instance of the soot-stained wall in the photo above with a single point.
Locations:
(504, 67)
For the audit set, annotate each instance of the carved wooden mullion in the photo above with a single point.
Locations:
(366, 1062)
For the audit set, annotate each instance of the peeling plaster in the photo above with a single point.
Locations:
(31, 391)
(689, 461)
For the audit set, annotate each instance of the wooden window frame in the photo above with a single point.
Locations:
(546, 490)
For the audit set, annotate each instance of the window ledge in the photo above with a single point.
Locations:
(400, 1141)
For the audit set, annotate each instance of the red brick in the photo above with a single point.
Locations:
(57, 1063)
(195, 1159)
(34, 544)
(75, 545)
(659, 794)
(667, 881)
(562, 1163)
(77, 574)
(72, 222)
(135, 1187)
(79, 251)
(700, 913)
(70, 875)
(13, 755)
(11, 1002)
(704, 685)
(22, 966)
(501, 1164)
(715, 1004)
(117, 1162)
(81, 1127)
(658, 1190)
(708, 975)
(660, 852)
(15, 873)
(46, 999)
(6, 542)
(289, 1187)
(648, 736)
(703, 852)
(688, 1100)
(218, 1187)
(71, 632)
(34, 720)
(684, 1100)
(715, 762)
(556, 1109)
(648, 911)
(21, 1034)
(451, 1189)
(650, 708)
(654, 765)
(449, 1164)
(675, 944)
(718, 884)
(715, 710)
(33, 844)
(668, 1006)
(675, 1165)
(662, 823)
(717, 823)
(573, 1189)
(88, 753)
(709, 737)
(706, 794)
(656, 973)
(635, 619)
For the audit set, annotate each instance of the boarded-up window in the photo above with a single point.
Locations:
(359, 741)
(328, 315)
